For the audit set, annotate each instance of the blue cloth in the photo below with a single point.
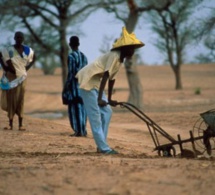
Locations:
(26, 50)
(76, 61)
(78, 118)
(4, 83)
(76, 111)
(99, 117)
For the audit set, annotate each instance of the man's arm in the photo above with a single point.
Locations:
(110, 91)
(2, 62)
(101, 89)
(6, 68)
(31, 63)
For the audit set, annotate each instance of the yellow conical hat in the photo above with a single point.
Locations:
(127, 39)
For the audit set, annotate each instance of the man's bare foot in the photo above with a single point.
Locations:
(21, 128)
(8, 128)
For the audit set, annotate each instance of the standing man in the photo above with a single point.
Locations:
(16, 60)
(93, 78)
(76, 111)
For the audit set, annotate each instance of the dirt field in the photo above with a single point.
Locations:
(46, 160)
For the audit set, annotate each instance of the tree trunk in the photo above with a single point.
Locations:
(63, 60)
(135, 86)
(63, 51)
(178, 83)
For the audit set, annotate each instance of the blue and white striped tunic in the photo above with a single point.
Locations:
(76, 111)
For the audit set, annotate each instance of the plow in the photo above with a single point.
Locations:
(201, 137)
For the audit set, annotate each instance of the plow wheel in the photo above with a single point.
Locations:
(167, 151)
(207, 144)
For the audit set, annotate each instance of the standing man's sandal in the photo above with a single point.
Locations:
(22, 128)
(8, 128)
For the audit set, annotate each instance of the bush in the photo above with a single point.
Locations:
(197, 91)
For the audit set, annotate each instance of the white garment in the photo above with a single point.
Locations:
(19, 62)
(89, 77)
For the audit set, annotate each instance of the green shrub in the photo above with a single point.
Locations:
(197, 91)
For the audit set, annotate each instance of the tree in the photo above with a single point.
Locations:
(57, 15)
(207, 33)
(207, 57)
(175, 33)
(130, 19)
(48, 22)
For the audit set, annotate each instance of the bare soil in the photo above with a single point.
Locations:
(46, 160)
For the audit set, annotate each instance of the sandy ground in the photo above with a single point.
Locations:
(46, 160)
